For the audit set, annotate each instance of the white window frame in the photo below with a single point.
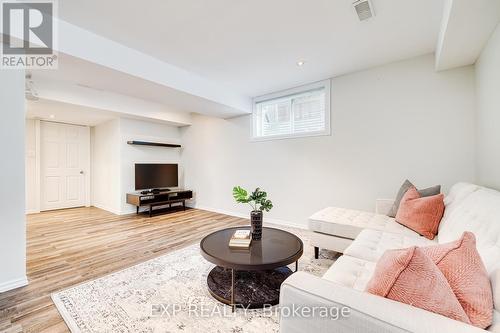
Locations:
(285, 93)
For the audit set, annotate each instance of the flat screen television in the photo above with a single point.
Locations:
(156, 176)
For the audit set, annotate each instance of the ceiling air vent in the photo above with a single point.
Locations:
(364, 9)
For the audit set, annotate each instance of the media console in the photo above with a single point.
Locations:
(160, 198)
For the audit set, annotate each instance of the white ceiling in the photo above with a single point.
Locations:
(67, 113)
(467, 25)
(74, 71)
(253, 46)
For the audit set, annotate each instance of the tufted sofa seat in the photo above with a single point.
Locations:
(371, 244)
(468, 208)
(336, 228)
(349, 223)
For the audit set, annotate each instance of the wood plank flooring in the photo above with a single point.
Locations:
(67, 247)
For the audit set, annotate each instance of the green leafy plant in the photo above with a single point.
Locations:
(257, 199)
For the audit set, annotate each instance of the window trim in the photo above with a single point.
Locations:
(325, 84)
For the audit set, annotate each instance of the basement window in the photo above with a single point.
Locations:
(298, 112)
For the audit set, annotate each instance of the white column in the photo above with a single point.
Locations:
(12, 174)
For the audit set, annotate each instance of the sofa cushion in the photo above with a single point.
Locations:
(462, 266)
(404, 188)
(350, 272)
(421, 214)
(348, 223)
(371, 244)
(399, 196)
(495, 288)
(478, 211)
(456, 195)
(495, 327)
(410, 276)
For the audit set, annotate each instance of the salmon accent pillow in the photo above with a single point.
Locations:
(421, 214)
(462, 266)
(409, 276)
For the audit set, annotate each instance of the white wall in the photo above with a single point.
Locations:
(390, 123)
(113, 160)
(32, 195)
(105, 161)
(488, 113)
(12, 189)
(131, 129)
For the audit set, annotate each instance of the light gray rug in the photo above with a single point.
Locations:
(168, 294)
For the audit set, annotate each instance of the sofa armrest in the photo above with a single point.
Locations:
(383, 206)
(367, 312)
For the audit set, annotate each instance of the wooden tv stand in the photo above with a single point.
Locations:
(160, 198)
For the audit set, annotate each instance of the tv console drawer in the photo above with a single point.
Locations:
(181, 195)
(138, 199)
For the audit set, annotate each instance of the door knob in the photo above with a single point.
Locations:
(81, 172)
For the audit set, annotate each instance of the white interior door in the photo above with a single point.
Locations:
(64, 165)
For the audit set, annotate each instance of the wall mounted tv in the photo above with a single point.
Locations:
(156, 176)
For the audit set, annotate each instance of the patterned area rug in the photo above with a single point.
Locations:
(168, 294)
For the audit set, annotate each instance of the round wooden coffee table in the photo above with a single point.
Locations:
(250, 277)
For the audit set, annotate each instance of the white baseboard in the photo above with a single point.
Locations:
(106, 209)
(247, 216)
(285, 223)
(129, 211)
(13, 284)
(133, 210)
(220, 211)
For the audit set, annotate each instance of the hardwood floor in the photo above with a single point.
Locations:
(67, 247)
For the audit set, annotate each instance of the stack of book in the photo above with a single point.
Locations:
(241, 239)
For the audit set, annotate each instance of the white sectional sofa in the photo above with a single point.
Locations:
(336, 228)
(362, 238)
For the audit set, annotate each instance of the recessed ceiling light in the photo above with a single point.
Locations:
(300, 63)
(52, 116)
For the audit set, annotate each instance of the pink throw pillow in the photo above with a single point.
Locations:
(421, 214)
(462, 266)
(409, 276)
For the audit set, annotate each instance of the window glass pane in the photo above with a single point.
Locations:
(299, 113)
(276, 119)
(309, 113)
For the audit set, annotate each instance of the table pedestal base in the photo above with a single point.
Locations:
(252, 289)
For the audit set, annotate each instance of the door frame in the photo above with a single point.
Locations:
(35, 186)
(38, 185)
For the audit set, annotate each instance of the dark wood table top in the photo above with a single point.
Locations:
(277, 248)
